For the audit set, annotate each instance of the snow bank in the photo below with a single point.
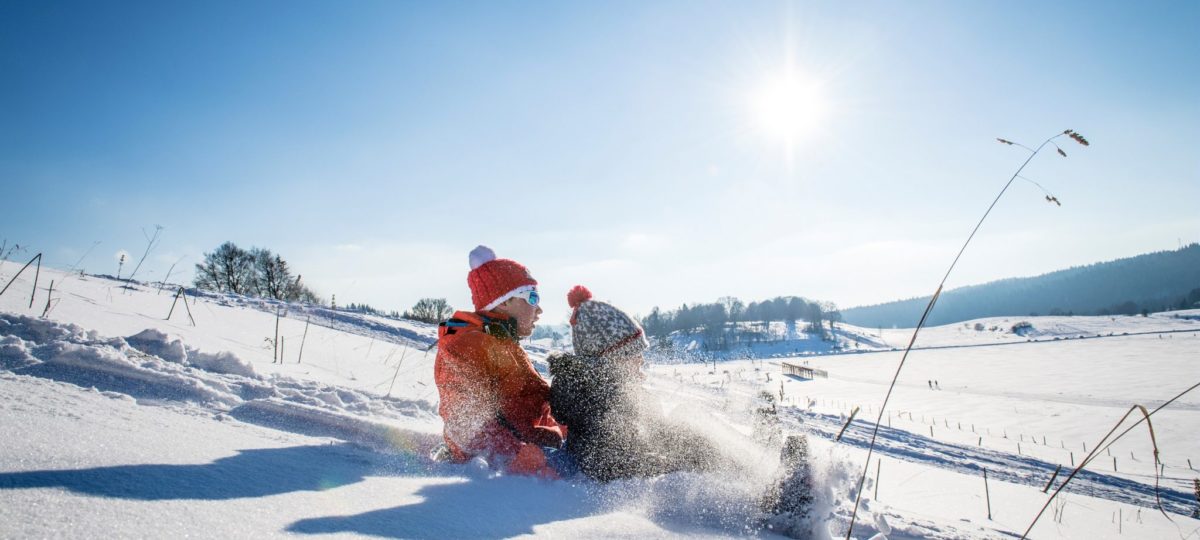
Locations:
(68, 353)
(221, 362)
(154, 366)
(156, 343)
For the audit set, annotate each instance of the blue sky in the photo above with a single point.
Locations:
(618, 145)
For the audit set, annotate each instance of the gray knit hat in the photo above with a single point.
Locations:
(600, 329)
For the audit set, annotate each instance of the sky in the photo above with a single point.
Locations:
(656, 152)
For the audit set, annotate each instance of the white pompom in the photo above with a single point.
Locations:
(481, 255)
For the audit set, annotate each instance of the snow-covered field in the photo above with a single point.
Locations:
(117, 422)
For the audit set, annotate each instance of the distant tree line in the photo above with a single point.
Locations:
(364, 308)
(1148, 283)
(427, 310)
(729, 321)
(1189, 301)
(255, 272)
(556, 335)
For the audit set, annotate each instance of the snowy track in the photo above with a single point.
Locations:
(961, 458)
(1003, 466)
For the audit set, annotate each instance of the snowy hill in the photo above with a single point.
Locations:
(1151, 281)
(120, 422)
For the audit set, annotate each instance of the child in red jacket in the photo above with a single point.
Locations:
(492, 402)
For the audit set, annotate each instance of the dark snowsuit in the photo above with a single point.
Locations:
(612, 433)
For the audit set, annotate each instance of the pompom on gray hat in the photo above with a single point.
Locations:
(600, 329)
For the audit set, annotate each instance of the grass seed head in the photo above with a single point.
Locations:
(1076, 136)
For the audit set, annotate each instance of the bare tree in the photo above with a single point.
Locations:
(257, 272)
(273, 278)
(430, 310)
(227, 269)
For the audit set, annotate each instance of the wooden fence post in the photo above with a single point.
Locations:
(275, 344)
(987, 493)
(302, 338)
(36, 274)
(1052, 477)
(878, 464)
(846, 425)
(49, 295)
(183, 294)
(173, 302)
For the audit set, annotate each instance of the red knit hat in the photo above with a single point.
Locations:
(492, 280)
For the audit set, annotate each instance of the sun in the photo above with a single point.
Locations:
(789, 107)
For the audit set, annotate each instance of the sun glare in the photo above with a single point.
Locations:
(789, 107)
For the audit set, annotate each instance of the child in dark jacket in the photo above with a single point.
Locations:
(615, 431)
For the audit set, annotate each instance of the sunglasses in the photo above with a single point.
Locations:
(530, 296)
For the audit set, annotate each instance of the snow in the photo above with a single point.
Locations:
(119, 422)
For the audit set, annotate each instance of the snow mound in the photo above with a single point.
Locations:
(221, 362)
(14, 354)
(154, 366)
(156, 343)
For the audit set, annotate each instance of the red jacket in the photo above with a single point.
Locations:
(492, 402)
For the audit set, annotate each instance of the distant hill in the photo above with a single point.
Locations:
(1152, 282)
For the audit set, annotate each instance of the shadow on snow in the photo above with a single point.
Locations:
(481, 508)
(250, 473)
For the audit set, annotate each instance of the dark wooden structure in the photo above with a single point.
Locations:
(803, 372)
